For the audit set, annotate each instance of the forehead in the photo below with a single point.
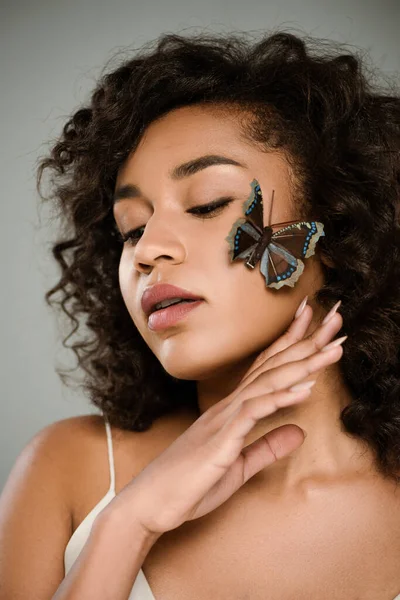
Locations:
(183, 134)
(186, 133)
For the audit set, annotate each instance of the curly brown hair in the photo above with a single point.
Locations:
(340, 130)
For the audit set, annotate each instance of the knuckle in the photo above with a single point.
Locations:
(245, 409)
(315, 344)
(290, 337)
(309, 365)
(274, 403)
(273, 449)
(261, 357)
(272, 384)
(309, 369)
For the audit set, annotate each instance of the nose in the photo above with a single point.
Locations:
(160, 241)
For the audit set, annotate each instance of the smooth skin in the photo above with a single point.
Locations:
(240, 317)
(209, 462)
(237, 479)
(199, 471)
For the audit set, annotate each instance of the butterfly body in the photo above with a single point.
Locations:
(278, 248)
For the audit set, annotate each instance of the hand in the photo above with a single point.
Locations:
(208, 463)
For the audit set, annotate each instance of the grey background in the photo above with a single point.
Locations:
(51, 53)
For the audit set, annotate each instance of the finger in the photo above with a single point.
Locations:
(290, 373)
(293, 334)
(305, 346)
(238, 423)
(269, 448)
(296, 331)
(284, 376)
(296, 348)
(256, 456)
(255, 384)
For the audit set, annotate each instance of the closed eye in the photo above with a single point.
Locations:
(205, 211)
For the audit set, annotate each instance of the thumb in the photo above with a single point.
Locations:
(270, 447)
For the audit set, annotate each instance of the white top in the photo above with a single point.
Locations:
(141, 589)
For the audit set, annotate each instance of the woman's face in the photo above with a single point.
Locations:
(240, 315)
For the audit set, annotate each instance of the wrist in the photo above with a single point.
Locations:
(116, 521)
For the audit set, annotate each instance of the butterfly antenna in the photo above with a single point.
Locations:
(270, 208)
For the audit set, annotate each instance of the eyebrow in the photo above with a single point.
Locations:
(130, 191)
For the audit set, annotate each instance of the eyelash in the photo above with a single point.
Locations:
(211, 208)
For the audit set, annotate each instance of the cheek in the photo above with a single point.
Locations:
(243, 315)
(124, 276)
(248, 313)
(239, 301)
(127, 284)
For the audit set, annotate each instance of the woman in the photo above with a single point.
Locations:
(262, 179)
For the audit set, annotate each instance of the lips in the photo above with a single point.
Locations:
(164, 291)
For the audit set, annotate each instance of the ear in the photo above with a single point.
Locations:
(325, 260)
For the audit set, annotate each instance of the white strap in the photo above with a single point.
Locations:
(110, 455)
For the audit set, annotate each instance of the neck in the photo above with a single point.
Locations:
(328, 453)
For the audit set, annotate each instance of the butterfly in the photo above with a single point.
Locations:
(279, 252)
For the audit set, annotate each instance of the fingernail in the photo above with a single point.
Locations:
(330, 314)
(334, 344)
(299, 387)
(301, 308)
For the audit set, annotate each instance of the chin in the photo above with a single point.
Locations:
(200, 367)
(188, 370)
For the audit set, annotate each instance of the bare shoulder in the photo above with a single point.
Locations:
(52, 453)
(72, 455)
(59, 476)
(36, 507)
(89, 461)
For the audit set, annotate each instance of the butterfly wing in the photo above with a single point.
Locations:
(246, 232)
(242, 239)
(299, 238)
(279, 267)
(253, 206)
(281, 262)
